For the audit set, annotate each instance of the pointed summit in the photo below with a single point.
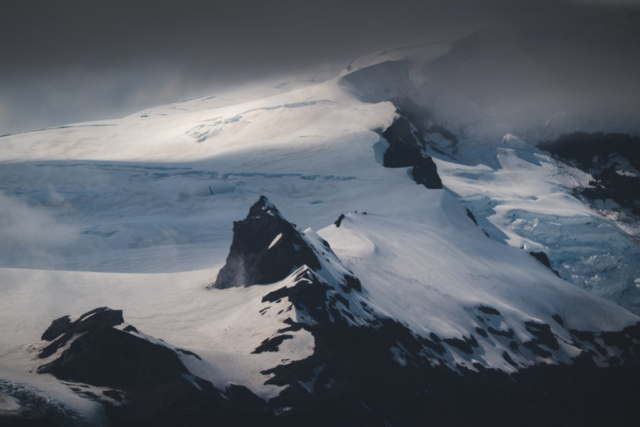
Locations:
(266, 248)
(261, 207)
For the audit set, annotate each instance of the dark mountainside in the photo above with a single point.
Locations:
(407, 143)
(612, 158)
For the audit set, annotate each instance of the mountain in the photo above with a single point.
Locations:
(466, 266)
(265, 249)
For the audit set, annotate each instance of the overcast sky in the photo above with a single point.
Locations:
(70, 61)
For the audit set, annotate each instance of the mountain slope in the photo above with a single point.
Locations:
(416, 295)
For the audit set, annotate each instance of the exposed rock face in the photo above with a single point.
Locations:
(57, 328)
(426, 173)
(613, 160)
(100, 349)
(590, 150)
(382, 372)
(407, 144)
(616, 184)
(62, 330)
(102, 355)
(544, 259)
(414, 129)
(266, 248)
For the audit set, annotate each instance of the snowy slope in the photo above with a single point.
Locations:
(136, 214)
(528, 202)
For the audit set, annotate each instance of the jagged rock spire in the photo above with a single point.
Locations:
(266, 248)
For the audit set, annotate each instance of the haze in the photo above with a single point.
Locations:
(73, 61)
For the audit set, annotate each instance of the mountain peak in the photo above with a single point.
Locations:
(266, 248)
(261, 207)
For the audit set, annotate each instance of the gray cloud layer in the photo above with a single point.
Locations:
(73, 61)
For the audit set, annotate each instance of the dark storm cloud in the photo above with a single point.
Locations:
(72, 61)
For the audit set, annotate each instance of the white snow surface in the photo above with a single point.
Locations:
(275, 240)
(137, 214)
(525, 201)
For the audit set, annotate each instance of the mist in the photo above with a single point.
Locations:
(78, 61)
(30, 234)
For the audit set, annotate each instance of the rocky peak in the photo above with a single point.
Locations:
(261, 207)
(63, 329)
(96, 318)
(266, 248)
(96, 349)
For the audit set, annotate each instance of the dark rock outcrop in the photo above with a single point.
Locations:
(544, 259)
(57, 328)
(62, 329)
(102, 355)
(266, 248)
(591, 150)
(153, 386)
(354, 378)
(308, 294)
(426, 173)
(615, 184)
(407, 144)
(472, 217)
(613, 159)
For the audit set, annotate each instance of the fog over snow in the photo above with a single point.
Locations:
(72, 62)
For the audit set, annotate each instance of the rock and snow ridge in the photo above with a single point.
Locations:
(322, 292)
(352, 337)
(518, 193)
(140, 379)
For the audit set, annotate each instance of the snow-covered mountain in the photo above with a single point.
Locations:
(408, 256)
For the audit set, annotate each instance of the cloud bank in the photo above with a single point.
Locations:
(72, 61)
